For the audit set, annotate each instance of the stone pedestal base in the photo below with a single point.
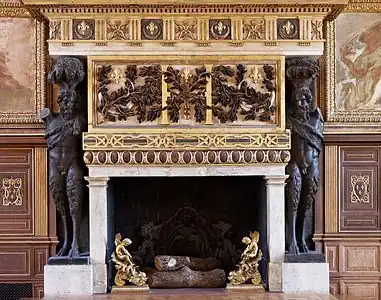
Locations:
(64, 280)
(73, 280)
(305, 278)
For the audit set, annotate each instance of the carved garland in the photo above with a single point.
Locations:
(132, 99)
(251, 94)
(186, 90)
(231, 100)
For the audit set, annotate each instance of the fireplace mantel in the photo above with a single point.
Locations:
(192, 53)
(283, 27)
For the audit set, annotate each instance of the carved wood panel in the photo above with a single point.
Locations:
(16, 207)
(365, 289)
(359, 188)
(14, 262)
(361, 258)
(352, 264)
(332, 253)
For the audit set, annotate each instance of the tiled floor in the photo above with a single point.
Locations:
(186, 294)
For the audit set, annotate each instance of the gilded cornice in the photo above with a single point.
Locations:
(182, 2)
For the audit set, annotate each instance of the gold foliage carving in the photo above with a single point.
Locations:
(55, 30)
(360, 189)
(248, 267)
(186, 30)
(126, 269)
(12, 191)
(316, 30)
(117, 30)
(254, 29)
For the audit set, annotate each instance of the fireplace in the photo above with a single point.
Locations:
(108, 203)
(199, 217)
(186, 96)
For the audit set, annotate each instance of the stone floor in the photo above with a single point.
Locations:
(185, 294)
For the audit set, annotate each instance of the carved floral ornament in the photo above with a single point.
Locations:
(203, 94)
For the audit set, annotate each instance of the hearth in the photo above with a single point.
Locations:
(197, 217)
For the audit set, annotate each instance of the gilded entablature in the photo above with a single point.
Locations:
(186, 25)
(172, 91)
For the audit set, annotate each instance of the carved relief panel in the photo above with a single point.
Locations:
(191, 91)
(360, 188)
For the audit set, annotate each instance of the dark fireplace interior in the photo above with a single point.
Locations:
(202, 217)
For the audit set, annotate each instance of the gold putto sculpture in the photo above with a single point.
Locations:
(126, 269)
(248, 267)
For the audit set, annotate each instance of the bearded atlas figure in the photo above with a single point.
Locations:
(306, 124)
(63, 132)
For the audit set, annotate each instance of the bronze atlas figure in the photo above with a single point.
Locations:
(63, 132)
(306, 124)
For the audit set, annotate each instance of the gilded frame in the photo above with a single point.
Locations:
(30, 118)
(279, 126)
(346, 121)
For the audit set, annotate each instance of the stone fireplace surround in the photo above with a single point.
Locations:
(289, 28)
(275, 180)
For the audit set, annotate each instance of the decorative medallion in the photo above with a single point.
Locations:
(55, 30)
(117, 30)
(83, 29)
(186, 30)
(220, 29)
(152, 29)
(316, 30)
(254, 29)
(360, 189)
(288, 29)
(12, 191)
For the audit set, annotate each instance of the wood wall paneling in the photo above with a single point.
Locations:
(25, 244)
(360, 189)
(352, 237)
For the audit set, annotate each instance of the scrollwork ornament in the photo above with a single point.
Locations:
(12, 191)
(360, 189)
(126, 270)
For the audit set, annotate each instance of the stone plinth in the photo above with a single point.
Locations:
(305, 278)
(65, 280)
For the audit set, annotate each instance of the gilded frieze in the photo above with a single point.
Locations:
(189, 141)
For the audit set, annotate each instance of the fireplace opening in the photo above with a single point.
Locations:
(204, 218)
